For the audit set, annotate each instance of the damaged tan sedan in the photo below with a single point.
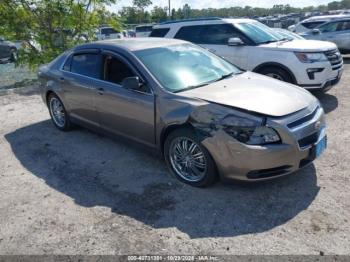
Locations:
(207, 117)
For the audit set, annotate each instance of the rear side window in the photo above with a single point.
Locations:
(85, 64)
(66, 66)
(209, 34)
(159, 32)
(312, 25)
(189, 33)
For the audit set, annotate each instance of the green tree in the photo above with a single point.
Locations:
(141, 5)
(49, 27)
(129, 15)
(159, 14)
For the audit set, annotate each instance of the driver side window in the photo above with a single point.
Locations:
(115, 70)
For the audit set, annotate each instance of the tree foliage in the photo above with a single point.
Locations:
(140, 5)
(132, 15)
(48, 27)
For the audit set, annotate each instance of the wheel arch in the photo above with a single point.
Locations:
(258, 68)
(49, 92)
(170, 128)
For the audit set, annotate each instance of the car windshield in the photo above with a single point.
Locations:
(185, 66)
(259, 33)
(288, 35)
(312, 24)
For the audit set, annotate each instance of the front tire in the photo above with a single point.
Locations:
(277, 73)
(58, 113)
(188, 159)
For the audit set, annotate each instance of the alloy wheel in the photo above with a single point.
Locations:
(187, 159)
(275, 76)
(57, 112)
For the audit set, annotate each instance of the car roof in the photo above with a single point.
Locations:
(144, 25)
(326, 17)
(203, 21)
(133, 44)
(338, 20)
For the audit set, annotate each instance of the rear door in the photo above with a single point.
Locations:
(80, 75)
(214, 37)
(122, 111)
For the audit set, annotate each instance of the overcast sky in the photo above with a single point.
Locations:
(224, 3)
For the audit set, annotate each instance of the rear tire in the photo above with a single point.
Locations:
(188, 160)
(58, 113)
(276, 73)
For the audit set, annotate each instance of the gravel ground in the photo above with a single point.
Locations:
(82, 193)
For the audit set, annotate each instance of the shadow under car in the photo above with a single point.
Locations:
(97, 171)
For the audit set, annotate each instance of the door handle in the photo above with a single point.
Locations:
(212, 50)
(61, 79)
(101, 91)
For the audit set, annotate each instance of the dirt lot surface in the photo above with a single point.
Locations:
(83, 193)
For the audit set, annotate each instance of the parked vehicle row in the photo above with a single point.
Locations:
(108, 32)
(336, 31)
(207, 117)
(256, 47)
(313, 22)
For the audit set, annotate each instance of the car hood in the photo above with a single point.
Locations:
(255, 93)
(302, 46)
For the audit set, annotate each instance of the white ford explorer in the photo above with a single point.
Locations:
(255, 47)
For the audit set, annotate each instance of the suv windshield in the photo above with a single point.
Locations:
(312, 24)
(259, 33)
(185, 66)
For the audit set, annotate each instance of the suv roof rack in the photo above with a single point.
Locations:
(190, 20)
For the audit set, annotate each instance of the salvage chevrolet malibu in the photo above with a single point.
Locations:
(208, 118)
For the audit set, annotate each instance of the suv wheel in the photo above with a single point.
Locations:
(277, 73)
(188, 159)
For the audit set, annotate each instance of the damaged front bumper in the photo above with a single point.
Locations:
(239, 161)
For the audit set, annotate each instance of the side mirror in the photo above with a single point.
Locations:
(131, 83)
(2, 39)
(316, 31)
(235, 41)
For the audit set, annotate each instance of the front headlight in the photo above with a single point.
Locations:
(249, 131)
(310, 57)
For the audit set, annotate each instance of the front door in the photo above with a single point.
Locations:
(122, 111)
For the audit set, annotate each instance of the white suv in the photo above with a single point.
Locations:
(104, 33)
(255, 47)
